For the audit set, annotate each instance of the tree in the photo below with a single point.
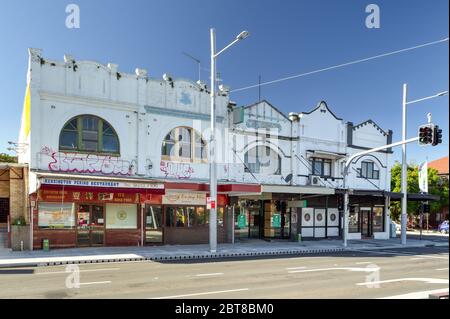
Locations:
(436, 186)
(5, 158)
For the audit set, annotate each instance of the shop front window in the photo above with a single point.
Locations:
(353, 223)
(202, 216)
(186, 216)
(378, 219)
(56, 215)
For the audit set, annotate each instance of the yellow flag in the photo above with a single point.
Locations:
(26, 113)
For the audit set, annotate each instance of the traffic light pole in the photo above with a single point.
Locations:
(405, 103)
(404, 215)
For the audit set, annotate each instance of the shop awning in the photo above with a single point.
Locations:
(226, 188)
(325, 154)
(297, 189)
(393, 195)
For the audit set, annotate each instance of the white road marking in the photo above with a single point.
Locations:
(81, 270)
(201, 293)
(439, 269)
(367, 269)
(426, 280)
(94, 283)
(363, 263)
(294, 268)
(417, 295)
(211, 274)
(419, 258)
(401, 254)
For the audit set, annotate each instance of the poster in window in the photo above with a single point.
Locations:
(121, 216)
(56, 215)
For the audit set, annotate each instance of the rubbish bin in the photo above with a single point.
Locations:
(45, 245)
(299, 238)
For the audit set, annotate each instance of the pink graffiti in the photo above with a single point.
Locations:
(178, 170)
(87, 164)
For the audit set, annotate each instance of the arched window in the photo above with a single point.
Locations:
(89, 133)
(184, 144)
(262, 160)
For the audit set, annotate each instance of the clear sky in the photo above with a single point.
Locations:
(287, 37)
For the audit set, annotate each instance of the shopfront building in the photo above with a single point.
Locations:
(87, 213)
(181, 217)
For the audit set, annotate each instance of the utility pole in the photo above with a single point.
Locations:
(212, 142)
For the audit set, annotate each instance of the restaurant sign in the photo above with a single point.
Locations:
(99, 183)
(181, 198)
(50, 195)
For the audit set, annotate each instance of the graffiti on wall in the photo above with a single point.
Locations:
(87, 164)
(177, 170)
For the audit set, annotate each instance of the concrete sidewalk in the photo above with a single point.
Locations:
(185, 252)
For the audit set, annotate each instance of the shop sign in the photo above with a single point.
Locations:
(99, 183)
(298, 204)
(242, 221)
(276, 220)
(181, 198)
(210, 203)
(51, 195)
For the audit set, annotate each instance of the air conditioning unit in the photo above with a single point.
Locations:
(315, 180)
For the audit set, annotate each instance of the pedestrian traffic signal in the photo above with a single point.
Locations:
(426, 134)
(437, 135)
(426, 208)
(340, 202)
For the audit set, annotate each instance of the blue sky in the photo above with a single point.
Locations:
(287, 37)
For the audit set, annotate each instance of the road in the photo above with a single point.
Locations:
(399, 273)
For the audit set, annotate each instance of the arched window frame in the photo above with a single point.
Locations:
(255, 168)
(81, 139)
(197, 145)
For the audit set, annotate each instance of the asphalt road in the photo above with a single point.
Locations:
(364, 274)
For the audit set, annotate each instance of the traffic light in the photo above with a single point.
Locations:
(426, 208)
(426, 134)
(437, 135)
(340, 202)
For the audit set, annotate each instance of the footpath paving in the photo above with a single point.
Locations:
(9, 258)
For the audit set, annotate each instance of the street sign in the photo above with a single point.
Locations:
(210, 203)
(423, 177)
(276, 220)
(242, 221)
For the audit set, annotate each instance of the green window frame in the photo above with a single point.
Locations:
(89, 134)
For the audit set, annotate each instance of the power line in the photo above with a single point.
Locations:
(341, 65)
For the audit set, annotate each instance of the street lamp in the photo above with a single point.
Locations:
(404, 165)
(212, 143)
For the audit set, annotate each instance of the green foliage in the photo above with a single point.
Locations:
(5, 158)
(19, 221)
(436, 186)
